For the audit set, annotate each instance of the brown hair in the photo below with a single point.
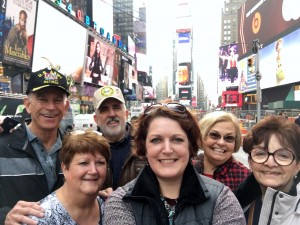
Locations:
(287, 132)
(186, 120)
(83, 142)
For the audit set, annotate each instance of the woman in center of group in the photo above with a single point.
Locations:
(169, 190)
(221, 138)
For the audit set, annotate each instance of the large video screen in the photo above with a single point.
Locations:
(18, 32)
(99, 61)
(60, 40)
(266, 20)
(279, 61)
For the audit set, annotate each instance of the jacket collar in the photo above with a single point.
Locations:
(147, 186)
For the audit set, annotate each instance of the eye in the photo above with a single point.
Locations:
(155, 140)
(177, 139)
(101, 162)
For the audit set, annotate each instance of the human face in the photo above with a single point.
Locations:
(47, 108)
(218, 151)
(111, 118)
(167, 149)
(270, 174)
(22, 20)
(86, 173)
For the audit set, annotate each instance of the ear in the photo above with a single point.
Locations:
(250, 163)
(126, 113)
(67, 105)
(27, 104)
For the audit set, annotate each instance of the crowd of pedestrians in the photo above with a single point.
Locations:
(165, 168)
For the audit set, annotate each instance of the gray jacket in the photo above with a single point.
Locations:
(201, 201)
(283, 208)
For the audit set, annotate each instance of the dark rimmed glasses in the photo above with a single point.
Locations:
(283, 157)
(214, 135)
(176, 107)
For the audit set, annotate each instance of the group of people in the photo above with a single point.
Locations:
(151, 172)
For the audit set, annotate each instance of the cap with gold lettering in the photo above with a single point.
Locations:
(47, 78)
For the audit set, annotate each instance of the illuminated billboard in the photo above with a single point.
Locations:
(266, 21)
(62, 48)
(18, 27)
(278, 61)
(99, 62)
(228, 65)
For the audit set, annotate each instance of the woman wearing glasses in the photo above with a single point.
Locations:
(169, 190)
(221, 137)
(274, 157)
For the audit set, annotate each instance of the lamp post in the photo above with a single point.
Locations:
(255, 49)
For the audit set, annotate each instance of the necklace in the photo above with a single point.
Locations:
(170, 207)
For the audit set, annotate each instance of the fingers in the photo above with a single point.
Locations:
(105, 193)
(19, 214)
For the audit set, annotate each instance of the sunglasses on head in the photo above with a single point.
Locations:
(176, 107)
(214, 135)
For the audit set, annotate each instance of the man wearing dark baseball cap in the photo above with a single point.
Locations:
(47, 78)
(32, 169)
(111, 116)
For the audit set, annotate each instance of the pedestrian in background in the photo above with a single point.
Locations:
(29, 164)
(84, 160)
(169, 190)
(222, 137)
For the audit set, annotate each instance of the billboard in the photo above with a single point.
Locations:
(228, 64)
(279, 61)
(247, 80)
(99, 62)
(266, 21)
(52, 42)
(18, 28)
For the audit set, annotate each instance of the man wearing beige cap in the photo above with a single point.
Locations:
(110, 116)
(29, 164)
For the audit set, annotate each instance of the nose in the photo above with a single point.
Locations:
(92, 168)
(271, 161)
(111, 112)
(221, 141)
(167, 148)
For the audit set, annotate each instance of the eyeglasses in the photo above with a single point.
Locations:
(217, 136)
(282, 157)
(176, 107)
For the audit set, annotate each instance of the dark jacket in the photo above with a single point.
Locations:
(21, 174)
(201, 201)
(125, 165)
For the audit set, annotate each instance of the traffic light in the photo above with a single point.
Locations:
(251, 65)
(250, 62)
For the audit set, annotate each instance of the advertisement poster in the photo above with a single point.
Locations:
(53, 44)
(18, 32)
(99, 62)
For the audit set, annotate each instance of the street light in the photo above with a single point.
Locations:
(255, 49)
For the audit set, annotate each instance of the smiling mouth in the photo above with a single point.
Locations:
(218, 150)
(167, 160)
(270, 173)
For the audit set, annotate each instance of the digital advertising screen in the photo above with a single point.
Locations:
(99, 61)
(228, 65)
(278, 61)
(18, 32)
(53, 44)
(266, 20)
